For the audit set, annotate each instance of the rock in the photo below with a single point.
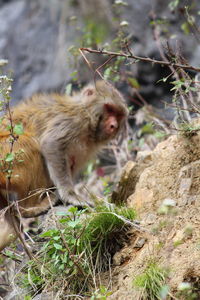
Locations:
(139, 243)
(168, 175)
(129, 178)
(121, 256)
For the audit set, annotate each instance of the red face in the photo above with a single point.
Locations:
(112, 120)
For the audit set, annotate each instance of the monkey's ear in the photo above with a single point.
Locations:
(88, 91)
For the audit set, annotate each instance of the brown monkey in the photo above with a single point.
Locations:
(61, 134)
(29, 183)
(29, 179)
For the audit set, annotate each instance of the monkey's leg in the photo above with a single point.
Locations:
(7, 231)
(39, 208)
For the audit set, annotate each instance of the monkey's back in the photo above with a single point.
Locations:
(40, 110)
(29, 176)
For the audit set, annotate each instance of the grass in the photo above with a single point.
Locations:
(73, 254)
(151, 281)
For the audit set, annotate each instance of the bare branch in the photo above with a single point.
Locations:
(140, 58)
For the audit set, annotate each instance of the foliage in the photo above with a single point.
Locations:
(151, 281)
(81, 245)
(102, 293)
(7, 161)
(93, 33)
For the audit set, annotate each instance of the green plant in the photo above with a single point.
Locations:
(105, 232)
(151, 281)
(102, 293)
(7, 161)
(81, 245)
(178, 243)
(93, 33)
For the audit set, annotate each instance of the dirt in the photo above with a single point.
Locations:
(166, 197)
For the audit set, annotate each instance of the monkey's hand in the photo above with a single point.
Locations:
(71, 197)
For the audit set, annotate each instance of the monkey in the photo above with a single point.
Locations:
(61, 133)
(29, 183)
(29, 178)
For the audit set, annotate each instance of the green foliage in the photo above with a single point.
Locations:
(148, 128)
(188, 129)
(18, 129)
(27, 297)
(112, 72)
(134, 82)
(152, 281)
(94, 33)
(6, 162)
(186, 28)
(102, 293)
(105, 229)
(183, 84)
(177, 243)
(174, 4)
(81, 243)
(68, 89)
(107, 186)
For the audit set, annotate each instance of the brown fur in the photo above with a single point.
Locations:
(61, 134)
(29, 177)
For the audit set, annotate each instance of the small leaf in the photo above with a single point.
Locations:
(134, 83)
(73, 209)
(186, 28)
(148, 129)
(56, 238)
(9, 157)
(68, 89)
(57, 246)
(73, 223)
(18, 129)
(48, 233)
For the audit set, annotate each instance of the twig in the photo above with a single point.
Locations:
(140, 58)
(101, 66)
(105, 63)
(181, 108)
(19, 234)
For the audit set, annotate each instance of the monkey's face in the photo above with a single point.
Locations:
(107, 110)
(110, 122)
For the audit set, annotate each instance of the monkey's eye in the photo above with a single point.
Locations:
(109, 109)
(100, 117)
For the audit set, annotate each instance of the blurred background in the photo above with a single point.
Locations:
(40, 39)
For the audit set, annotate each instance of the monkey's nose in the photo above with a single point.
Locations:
(113, 127)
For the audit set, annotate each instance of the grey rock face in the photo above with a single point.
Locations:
(35, 36)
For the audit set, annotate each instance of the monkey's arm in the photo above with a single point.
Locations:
(7, 231)
(54, 146)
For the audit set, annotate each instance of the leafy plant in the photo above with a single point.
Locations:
(81, 244)
(151, 281)
(7, 161)
(102, 293)
(105, 232)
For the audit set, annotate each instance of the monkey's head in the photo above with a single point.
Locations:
(107, 110)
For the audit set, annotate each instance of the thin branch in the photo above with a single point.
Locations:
(101, 66)
(105, 63)
(140, 58)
